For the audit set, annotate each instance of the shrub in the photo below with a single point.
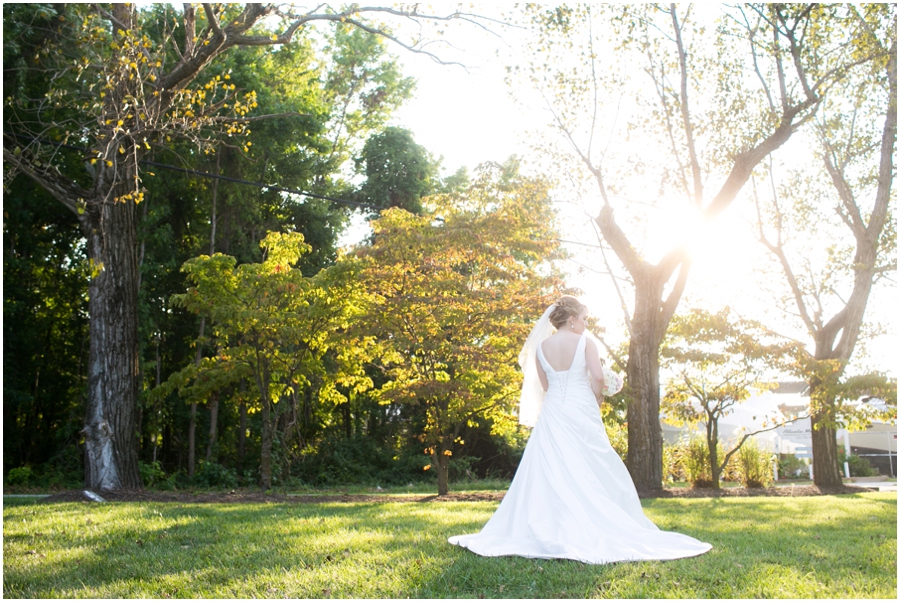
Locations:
(172, 482)
(20, 476)
(216, 476)
(695, 461)
(859, 467)
(359, 460)
(789, 466)
(672, 457)
(618, 438)
(755, 465)
(151, 473)
(460, 469)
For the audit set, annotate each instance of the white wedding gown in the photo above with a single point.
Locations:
(572, 496)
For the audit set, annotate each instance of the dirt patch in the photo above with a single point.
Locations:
(793, 491)
(248, 497)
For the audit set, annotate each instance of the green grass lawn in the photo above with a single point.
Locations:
(829, 547)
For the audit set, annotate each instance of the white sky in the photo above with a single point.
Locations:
(469, 117)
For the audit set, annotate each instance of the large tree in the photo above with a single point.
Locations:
(708, 106)
(809, 218)
(121, 82)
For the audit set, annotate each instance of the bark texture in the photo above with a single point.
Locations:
(110, 437)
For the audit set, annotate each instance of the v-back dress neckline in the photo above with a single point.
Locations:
(574, 357)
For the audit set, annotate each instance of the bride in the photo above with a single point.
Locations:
(572, 496)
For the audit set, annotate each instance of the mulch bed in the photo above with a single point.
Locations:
(245, 497)
(793, 491)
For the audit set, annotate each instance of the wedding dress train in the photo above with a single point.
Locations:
(572, 496)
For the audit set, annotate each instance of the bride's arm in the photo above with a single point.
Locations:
(542, 376)
(595, 367)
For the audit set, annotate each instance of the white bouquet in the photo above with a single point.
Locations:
(612, 382)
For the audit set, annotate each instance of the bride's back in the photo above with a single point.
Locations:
(559, 349)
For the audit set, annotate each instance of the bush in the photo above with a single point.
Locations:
(359, 460)
(790, 466)
(695, 461)
(215, 476)
(755, 466)
(172, 482)
(618, 438)
(151, 473)
(859, 467)
(671, 457)
(460, 469)
(20, 476)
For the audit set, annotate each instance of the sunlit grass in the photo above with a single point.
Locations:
(829, 546)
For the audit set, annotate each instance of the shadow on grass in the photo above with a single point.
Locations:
(761, 546)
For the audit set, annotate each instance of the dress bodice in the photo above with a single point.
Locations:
(559, 382)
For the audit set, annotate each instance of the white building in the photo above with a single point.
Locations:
(878, 443)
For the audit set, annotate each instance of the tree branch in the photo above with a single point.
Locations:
(671, 303)
(64, 190)
(685, 113)
(616, 238)
(622, 302)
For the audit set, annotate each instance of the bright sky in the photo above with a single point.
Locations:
(469, 117)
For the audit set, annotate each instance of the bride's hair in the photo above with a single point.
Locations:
(566, 307)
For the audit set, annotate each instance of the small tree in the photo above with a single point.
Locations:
(717, 361)
(452, 299)
(271, 325)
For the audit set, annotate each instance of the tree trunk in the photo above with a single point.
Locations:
(713, 443)
(111, 441)
(825, 454)
(213, 426)
(442, 464)
(192, 438)
(348, 419)
(265, 454)
(826, 471)
(242, 434)
(265, 459)
(644, 457)
(192, 425)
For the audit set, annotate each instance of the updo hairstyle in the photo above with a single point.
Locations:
(566, 307)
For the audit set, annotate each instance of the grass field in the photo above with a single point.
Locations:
(824, 547)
